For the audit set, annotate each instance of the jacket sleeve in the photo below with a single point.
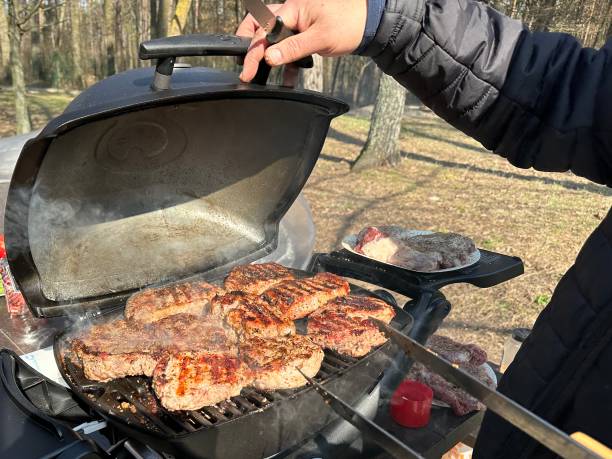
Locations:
(539, 99)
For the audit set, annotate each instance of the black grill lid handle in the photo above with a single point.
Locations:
(166, 50)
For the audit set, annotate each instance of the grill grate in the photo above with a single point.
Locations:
(133, 400)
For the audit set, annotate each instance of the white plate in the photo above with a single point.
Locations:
(349, 243)
(489, 371)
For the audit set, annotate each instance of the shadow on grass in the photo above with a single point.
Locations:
(568, 184)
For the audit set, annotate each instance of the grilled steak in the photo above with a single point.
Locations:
(274, 361)
(121, 348)
(191, 380)
(455, 352)
(344, 326)
(153, 304)
(298, 298)
(256, 278)
(250, 316)
(454, 249)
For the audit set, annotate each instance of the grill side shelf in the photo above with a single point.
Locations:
(492, 269)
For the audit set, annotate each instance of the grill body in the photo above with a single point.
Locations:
(255, 424)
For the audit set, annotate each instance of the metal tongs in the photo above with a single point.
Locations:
(534, 426)
(548, 435)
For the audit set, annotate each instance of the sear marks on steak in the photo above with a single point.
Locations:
(454, 249)
(457, 353)
(274, 361)
(298, 298)
(256, 278)
(250, 316)
(191, 380)
(153, 304)
(460, 401)
(343, 325)
(120, 348)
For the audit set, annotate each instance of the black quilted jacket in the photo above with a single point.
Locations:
(542, 101)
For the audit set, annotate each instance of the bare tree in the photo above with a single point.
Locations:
(18, 18)
(5, 46)
(382, 144)
(313, 78)
(179, 19)
(75, 42)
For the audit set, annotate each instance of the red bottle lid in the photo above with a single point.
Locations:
(411, 404)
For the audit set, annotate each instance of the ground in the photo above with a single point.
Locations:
(446, 182)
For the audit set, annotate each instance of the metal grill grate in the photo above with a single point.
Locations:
(133, 400)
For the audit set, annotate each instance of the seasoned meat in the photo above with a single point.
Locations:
(460, 401)
(455, 352)
(185, 332)
(191, 380)
(250, 316)
(274, 361)
(298, 298)
(454, 249)
(121, 348)
(367, 236)
(256, 278)
(153, 304)
(104, 367)
(360, 307)
(344, 326)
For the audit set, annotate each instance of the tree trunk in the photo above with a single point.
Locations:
(22, 118)
(179, 19)
(5, 46)
(75, 39)
(163, 17)
(382, 144)
(313, 78)
(109, 36)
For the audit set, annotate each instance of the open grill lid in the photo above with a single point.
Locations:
(133, 186)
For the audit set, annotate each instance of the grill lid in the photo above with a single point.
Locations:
(133, 186)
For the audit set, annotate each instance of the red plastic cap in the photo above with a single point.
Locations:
(411, 404)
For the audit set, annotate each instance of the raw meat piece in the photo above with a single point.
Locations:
(456, 352)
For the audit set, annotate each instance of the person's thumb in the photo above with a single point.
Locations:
(293, 48)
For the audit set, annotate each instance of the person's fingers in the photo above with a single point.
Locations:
(253, 56)
(294, 48)
(247, 27)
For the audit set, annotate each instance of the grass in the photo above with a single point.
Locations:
(446, 182)
(43, 106)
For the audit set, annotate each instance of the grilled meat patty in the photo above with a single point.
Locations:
(343, 325)
(274, 361)
(256, 278)
(250, 316)
(191, 380)
(121, 348)
(298, 298)
(153, 304)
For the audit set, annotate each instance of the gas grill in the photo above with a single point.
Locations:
(134, 186)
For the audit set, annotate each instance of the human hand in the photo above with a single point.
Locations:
(325, 27)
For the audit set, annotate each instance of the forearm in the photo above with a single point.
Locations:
(537, 99)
